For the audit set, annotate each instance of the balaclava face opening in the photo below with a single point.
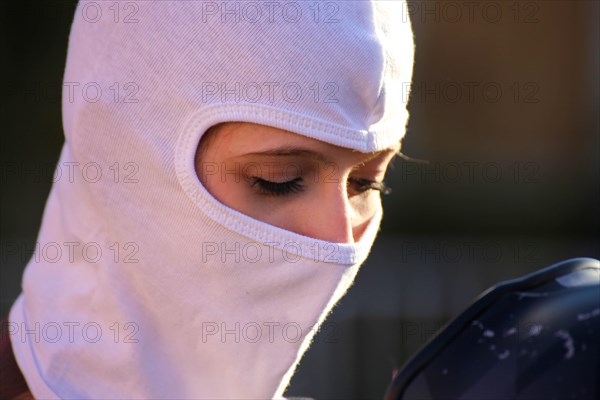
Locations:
(161, 291)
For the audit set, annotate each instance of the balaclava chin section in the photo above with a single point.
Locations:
(160, 291)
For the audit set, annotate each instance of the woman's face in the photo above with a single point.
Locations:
(293, 182)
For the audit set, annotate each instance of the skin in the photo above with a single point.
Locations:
(293, 182)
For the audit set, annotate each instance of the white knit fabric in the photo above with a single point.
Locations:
(161, 291)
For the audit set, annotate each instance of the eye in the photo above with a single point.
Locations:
(363, 185)
(269, 188)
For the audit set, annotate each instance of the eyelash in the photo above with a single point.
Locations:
(278, 189)
(365, 184)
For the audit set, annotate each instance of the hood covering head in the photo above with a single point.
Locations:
(142, 284)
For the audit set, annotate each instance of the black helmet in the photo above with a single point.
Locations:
(537, 337)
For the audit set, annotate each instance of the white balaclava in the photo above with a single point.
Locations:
(142, 284)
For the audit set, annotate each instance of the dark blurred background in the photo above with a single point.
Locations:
(505, 108)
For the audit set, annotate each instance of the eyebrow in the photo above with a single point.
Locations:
(302, 152)
(291, 152)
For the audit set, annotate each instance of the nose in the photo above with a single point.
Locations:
(330, 215)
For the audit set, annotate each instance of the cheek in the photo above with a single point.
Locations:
(364, 207)
(223, 188)
(235, 192)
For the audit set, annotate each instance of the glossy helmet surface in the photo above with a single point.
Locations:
(536, 337)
